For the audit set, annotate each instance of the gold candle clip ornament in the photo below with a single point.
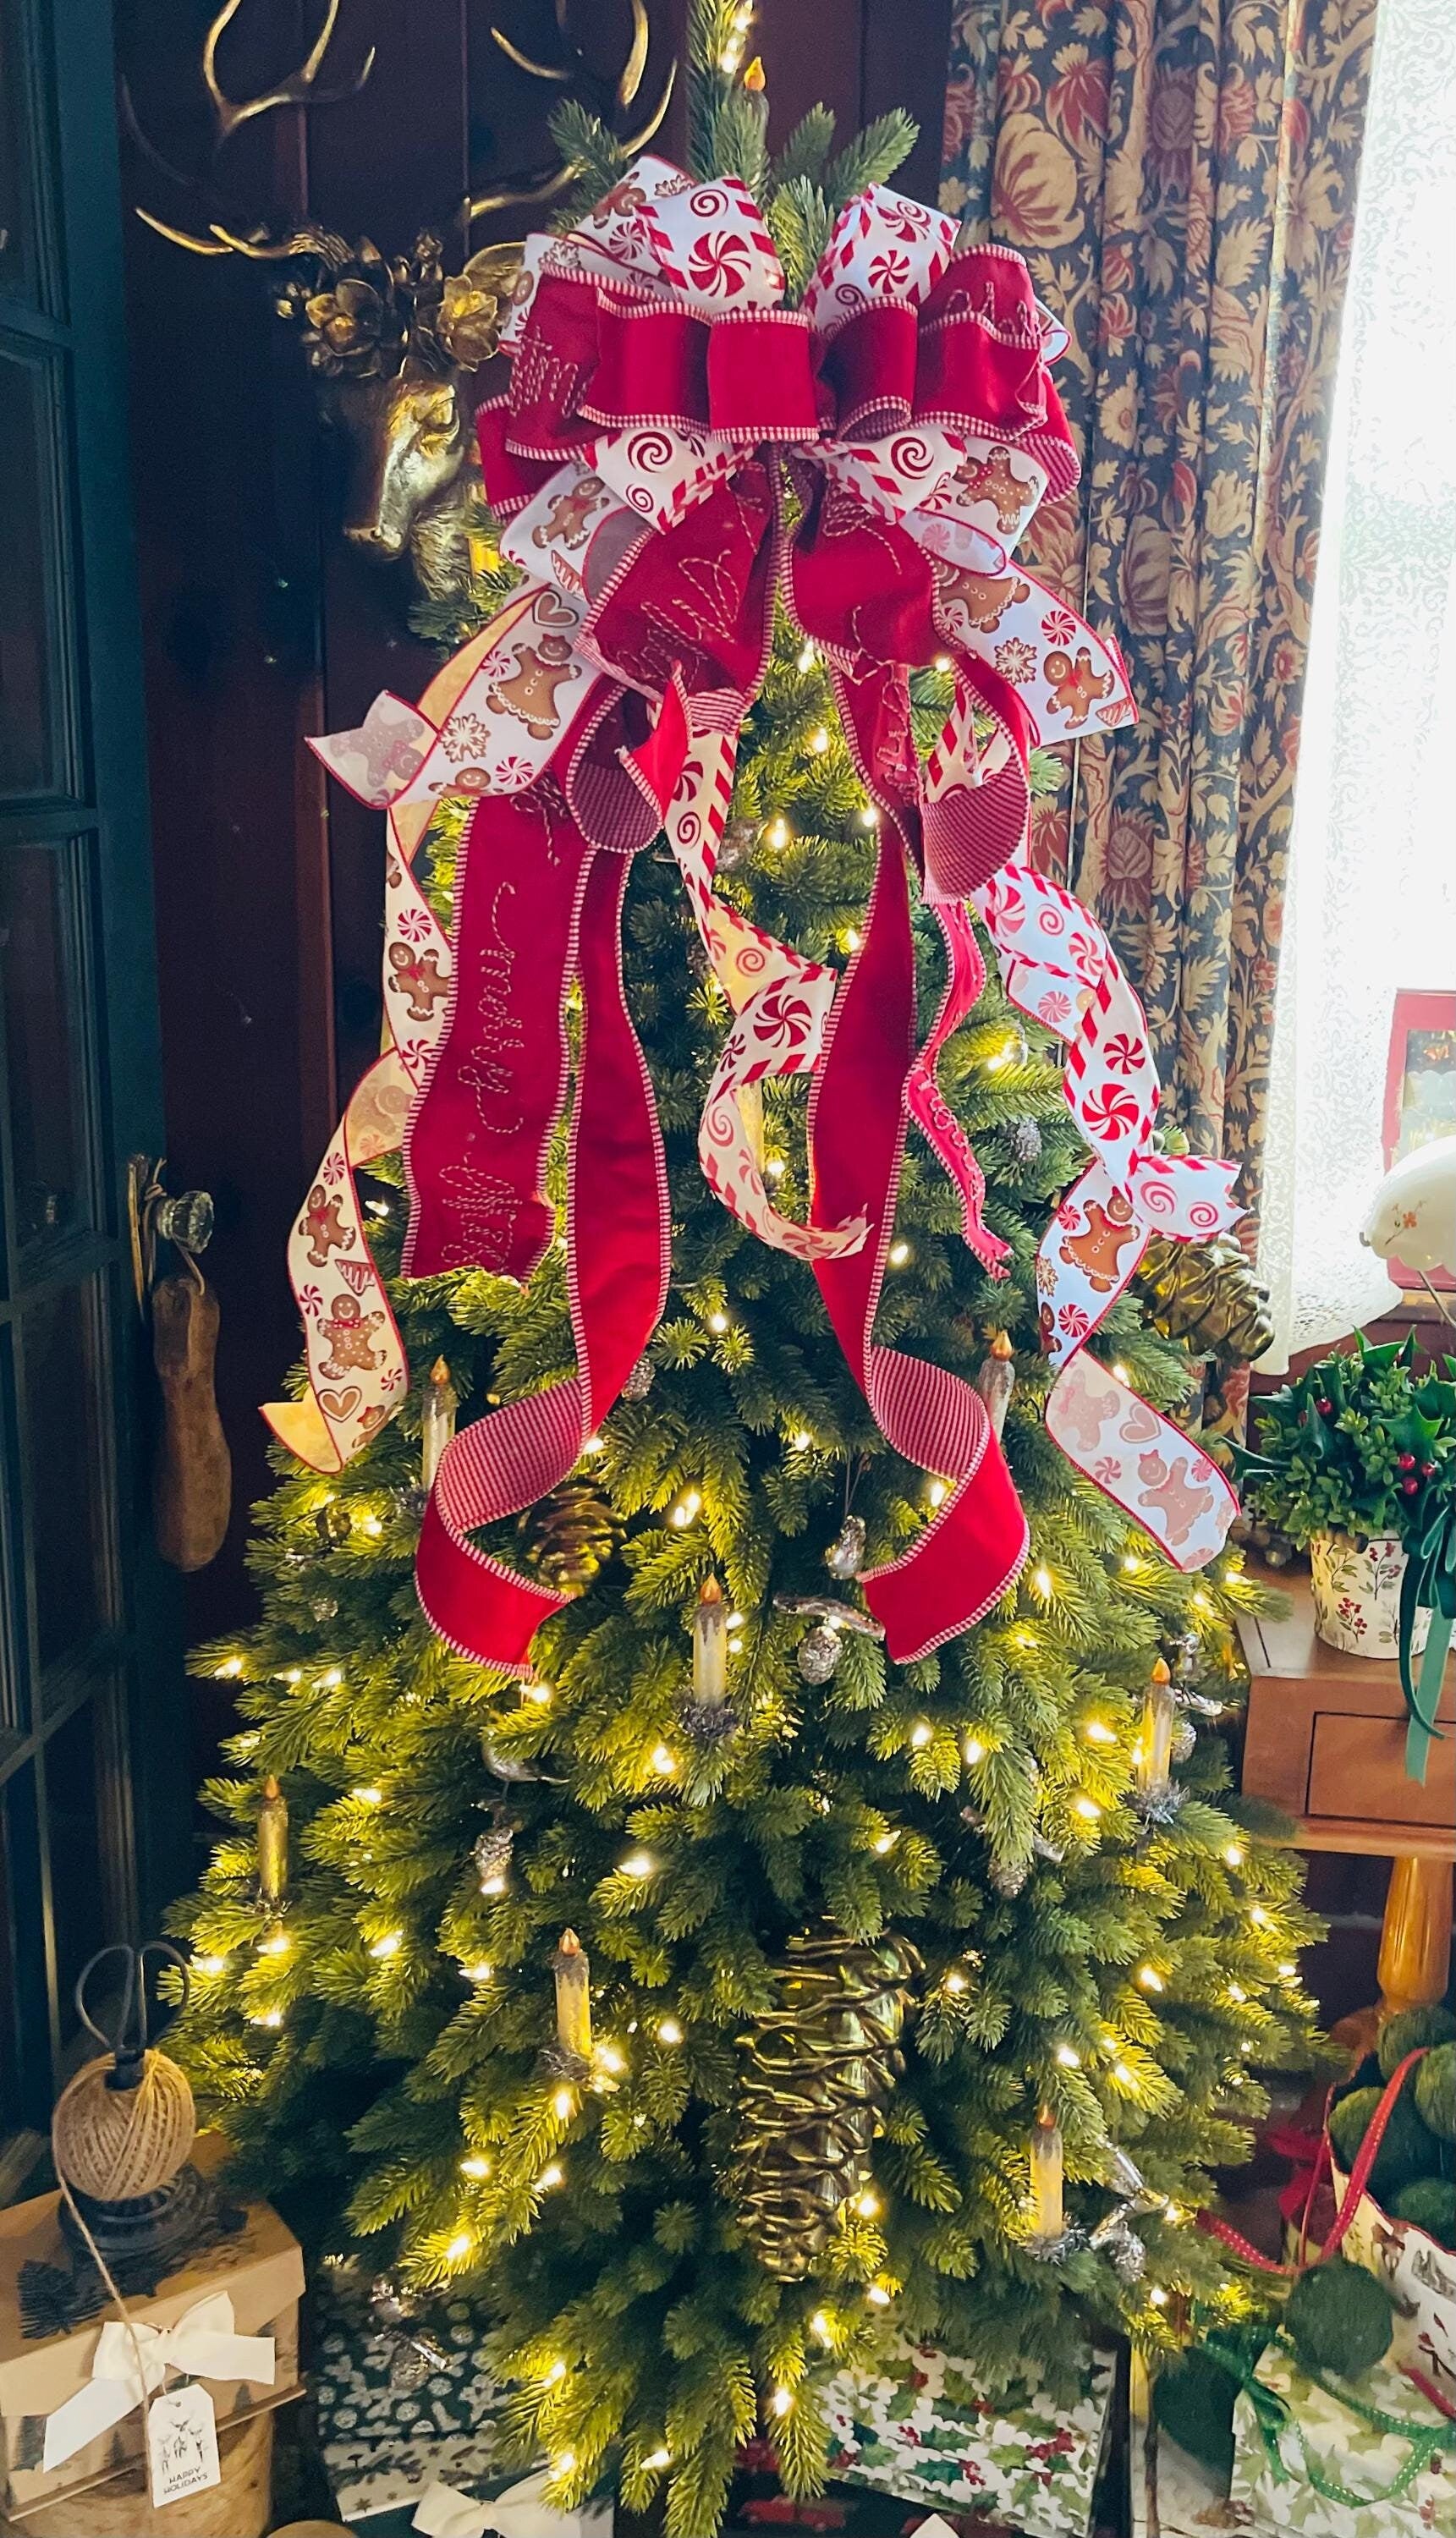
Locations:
(1155, 1759)
(273, 1844)
(436, 1419)
(710, 1644)
(1046, 2177)
(572, 1969)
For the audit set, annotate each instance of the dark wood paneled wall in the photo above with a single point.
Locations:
(260, 625)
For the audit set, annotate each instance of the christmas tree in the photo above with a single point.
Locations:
(704, 2006)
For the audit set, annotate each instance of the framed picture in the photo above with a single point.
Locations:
(1420, 1089)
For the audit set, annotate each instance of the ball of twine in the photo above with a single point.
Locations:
(114, 2144)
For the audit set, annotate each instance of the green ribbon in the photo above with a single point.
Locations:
(1430, 1580)
(1274, 2416)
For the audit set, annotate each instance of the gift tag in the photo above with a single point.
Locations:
(182, 2443)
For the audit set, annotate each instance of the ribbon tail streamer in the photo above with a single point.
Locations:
(975, 1547)
(617, 1261)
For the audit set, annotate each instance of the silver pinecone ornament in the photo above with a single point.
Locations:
(819, 1652)
(491, 1851)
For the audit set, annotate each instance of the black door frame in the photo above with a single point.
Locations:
(114, 1700)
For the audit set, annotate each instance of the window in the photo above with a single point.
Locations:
(1371, 905)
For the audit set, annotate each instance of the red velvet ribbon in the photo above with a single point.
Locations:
(539, 910)
(598, 355)
(687, 614)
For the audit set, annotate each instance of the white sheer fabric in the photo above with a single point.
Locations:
(1372, 903)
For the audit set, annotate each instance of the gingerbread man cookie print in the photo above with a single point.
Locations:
(321, 1227)
(348, 1333)
(1172, 1493)
(569, 517)
(417, 976)
(992, 480)
(985, 597)
(530, 693)
(1074, 686)
(1098, 1250)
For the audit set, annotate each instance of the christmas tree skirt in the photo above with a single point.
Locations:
(916, 2433)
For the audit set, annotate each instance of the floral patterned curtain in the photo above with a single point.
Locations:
(1181, 176)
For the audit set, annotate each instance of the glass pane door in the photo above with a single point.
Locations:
(88, 1660)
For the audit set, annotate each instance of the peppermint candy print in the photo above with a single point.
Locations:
(781, 1003)
(713, 247)
(1058, 966)
(897, 474)
(659, 473)
(882, 248)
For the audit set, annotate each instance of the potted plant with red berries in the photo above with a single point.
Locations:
(1357, 1462)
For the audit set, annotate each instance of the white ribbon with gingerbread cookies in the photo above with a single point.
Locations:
(397, 761)
(1058, 966)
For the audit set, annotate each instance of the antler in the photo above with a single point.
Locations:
(630, 80)
(229, 113)
(301, 89)
(332, 251)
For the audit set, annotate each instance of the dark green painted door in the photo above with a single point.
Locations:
(92, 1763)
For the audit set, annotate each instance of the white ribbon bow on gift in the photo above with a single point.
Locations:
(521, 2511)
(203, 2344)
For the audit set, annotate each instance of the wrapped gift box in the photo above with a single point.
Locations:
(922, 2430)
(1348, 2452)
(388, 2421)
(257, 2264)
(403, 2406)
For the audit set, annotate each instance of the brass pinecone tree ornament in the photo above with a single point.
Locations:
(1208, 1294)
(816, 2076)
(569, 1535)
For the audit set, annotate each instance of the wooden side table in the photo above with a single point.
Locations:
(1325, 1739)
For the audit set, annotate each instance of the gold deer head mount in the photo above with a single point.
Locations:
(394, 341)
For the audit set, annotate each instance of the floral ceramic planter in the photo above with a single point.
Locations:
(1356, 1588)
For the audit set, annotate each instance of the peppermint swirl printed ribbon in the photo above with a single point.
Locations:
(675, 449)
(1058, 966)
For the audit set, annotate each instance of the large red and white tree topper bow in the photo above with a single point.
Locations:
(676, 449)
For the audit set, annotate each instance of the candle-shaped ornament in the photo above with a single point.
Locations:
(996, 1380)
(1156, 1737)
(708, 1714)
(572, 1967)
(273, 1844)
(1047, 2216)
(436, 1419)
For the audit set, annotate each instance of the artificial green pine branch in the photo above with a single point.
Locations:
(378, 2051)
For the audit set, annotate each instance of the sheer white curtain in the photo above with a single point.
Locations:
(1371, 903)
